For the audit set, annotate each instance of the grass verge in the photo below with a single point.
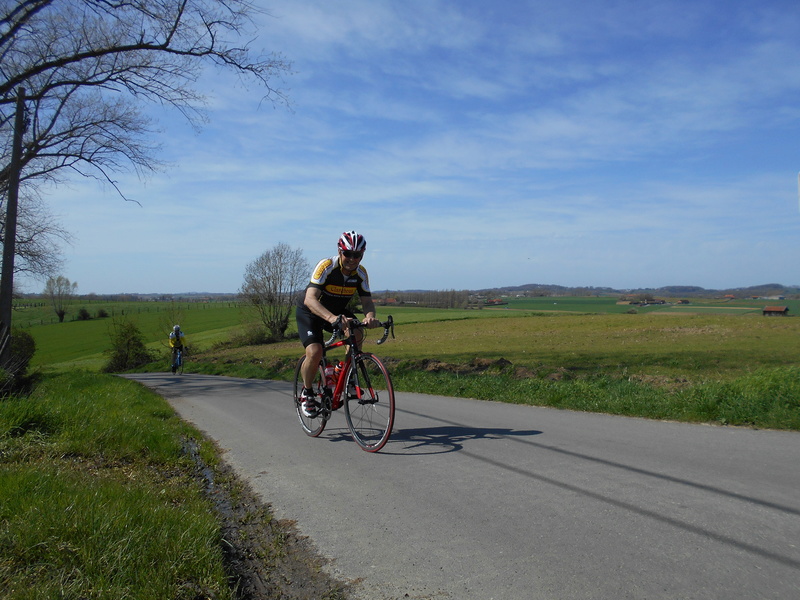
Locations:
(766, 399)
(102, 496)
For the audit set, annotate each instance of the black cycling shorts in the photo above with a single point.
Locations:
(310, 326)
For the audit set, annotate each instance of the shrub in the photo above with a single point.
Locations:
(102, 314)
(251, 336)
(127, 348)
(23, 347)
(83, 315)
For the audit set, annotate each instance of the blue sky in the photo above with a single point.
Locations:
(478, 144)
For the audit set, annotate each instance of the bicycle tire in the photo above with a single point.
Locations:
(369, 402)
(312, 426)
(176, 364)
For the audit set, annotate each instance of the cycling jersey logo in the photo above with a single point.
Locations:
(340, 290)
(321, 267)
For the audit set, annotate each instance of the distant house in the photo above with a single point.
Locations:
(495, 302)
(775, 311)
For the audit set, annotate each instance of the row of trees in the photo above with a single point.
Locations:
(429, 298)
(80, 71)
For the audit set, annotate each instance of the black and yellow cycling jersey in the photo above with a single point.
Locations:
(336, 287)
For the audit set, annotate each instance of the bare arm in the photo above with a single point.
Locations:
(369, 311)
(315, 306)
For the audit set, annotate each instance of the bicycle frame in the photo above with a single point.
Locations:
(368, 404)
(336, 393)
(353, 350)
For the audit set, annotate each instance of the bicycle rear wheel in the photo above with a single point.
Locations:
(313, 426)
(369, 403)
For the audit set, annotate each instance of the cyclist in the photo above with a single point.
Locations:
(176, 342)
(334, 282)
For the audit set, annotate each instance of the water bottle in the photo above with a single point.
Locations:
(338, 370)
(330, 375)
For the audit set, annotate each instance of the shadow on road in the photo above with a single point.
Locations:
(445, 438)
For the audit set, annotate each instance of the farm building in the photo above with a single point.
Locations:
(775, 311)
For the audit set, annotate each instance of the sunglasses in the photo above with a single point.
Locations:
(352, 254)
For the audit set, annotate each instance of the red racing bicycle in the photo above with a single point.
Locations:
(360, 383)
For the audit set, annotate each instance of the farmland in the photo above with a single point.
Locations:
(80, 344)
(534, 350)
(702, 340)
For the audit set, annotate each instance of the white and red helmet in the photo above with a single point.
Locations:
(350, 240)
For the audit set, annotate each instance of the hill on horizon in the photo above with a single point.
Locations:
(763, 290)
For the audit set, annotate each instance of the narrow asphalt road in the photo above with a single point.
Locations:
(475, 500)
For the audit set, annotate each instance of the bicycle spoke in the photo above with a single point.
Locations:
(313, 426)
(370, 411)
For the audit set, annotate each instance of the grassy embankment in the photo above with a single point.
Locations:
(95, 500)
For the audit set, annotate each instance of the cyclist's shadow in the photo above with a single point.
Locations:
(445, 438)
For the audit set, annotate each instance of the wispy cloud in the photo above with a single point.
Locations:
(479, 144)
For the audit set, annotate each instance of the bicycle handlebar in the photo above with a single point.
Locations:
(388, 326)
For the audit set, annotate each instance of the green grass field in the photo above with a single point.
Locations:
(701, 340)
(663, 349)
(80, 344)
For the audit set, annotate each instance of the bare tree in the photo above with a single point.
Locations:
(86, 66)
(38, 252)
(60, 292)
(271, 284)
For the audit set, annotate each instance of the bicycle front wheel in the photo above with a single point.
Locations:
(369, 403)
(313, 426)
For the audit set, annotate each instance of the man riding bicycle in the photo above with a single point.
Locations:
(334, 282)
(176, 342)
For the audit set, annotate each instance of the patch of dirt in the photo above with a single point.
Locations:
(266, 558)
(480, 365)
(476, 365)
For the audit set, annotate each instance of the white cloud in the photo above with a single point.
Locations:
(479, 144)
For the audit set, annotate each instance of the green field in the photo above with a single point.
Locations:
(590, 304)
(536, 350)
(706, 338)
(80, 344)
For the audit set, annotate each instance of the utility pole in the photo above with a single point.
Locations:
(10, 233)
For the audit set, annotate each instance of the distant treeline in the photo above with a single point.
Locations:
(132, 297)
(429, 298)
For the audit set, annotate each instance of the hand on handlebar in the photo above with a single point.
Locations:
(371, 322)
(342, 324)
